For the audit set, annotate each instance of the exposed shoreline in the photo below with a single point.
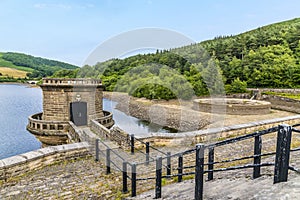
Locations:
(180, 115)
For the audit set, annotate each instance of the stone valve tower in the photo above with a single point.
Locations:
(65, 101)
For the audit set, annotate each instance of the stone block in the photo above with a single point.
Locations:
(14, 160)
(47, 151)
(32, 155)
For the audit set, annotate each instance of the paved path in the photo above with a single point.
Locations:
(235, 189)
(85, 179)
(77, 179)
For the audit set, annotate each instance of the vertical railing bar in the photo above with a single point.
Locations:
(282, 158)
(97, 150)
(211, 155)
(180, 167)
(169, 163)
(133, 180)
(147, 153)
(107, 161)
(257, 159)
(199, 171)
(124, 176)
(158, 177)
(132, 143)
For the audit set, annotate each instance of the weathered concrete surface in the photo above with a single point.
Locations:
(242, 188)
(237, 185)
(70, 179)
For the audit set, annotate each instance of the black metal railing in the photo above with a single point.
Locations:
(161, 165)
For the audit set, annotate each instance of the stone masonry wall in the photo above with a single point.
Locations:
(189, 138)
(277, 102)
(282, 103)
(57, 99)
(115, 134)
(23, 163)
(173, 139)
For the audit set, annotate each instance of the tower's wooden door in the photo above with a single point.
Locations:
(78, 113)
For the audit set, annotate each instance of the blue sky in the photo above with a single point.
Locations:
(69, 30)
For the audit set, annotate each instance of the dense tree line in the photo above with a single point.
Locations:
(265, 57)
(42, 67)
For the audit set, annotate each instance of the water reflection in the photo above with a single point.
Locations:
(131, 124)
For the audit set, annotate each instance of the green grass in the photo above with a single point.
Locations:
(287, 95)
(4, 63)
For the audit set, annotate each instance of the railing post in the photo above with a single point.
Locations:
(284, 136)
(97, 150)
(132, 143)
(147, 152)
(124, 176)
(168, 163)
(199, 172)
(257, 159)
(133, 180)
(211, 157)
(158, 178)
(107, 161)
(180, 167)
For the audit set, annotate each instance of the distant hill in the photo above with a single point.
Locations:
(19, 65)
(268, 56)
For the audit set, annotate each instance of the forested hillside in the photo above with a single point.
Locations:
(265, 57)
(35, 67)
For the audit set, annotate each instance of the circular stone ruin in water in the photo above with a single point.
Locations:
(232, 106)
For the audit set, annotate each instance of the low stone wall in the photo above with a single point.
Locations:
(99, 129)
(24, 163)
(48, 132)
(232, 106)
(291, 91)
(277, 102)
(283, 103)
(188, 138)
(115, 134)
(73, 133)
(120, 137)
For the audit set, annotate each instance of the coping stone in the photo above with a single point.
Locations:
(32, 155)
(14, 160)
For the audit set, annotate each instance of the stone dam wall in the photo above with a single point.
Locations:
(190, 138)
(194, 137)
(26, 162)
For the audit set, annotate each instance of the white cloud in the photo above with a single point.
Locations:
(62, 6)
(39, 5)
(58, 5)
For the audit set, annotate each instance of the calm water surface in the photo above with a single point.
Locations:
(17, 102)
(131, 124)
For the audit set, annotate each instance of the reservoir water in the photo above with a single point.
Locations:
(17, 102)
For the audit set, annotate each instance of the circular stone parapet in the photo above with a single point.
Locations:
(73, 82)
(232, 106)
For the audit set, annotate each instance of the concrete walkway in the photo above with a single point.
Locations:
(241, 188)
(85, 179)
